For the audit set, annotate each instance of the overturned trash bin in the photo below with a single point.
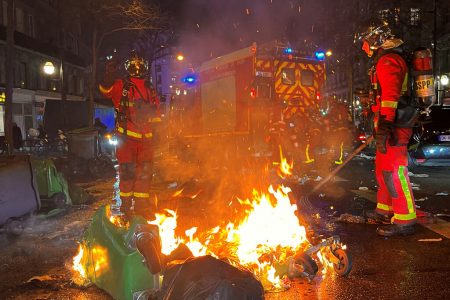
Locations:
(53, 187)
(120, 258)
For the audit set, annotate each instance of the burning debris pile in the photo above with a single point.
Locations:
(268, 240)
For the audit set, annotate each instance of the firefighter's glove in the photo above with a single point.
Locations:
(111, 70)
(383, 134)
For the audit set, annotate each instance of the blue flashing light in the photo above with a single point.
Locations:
(288, 50)
(189, 79)
(320, 55)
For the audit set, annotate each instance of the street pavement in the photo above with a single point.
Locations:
(412, 267)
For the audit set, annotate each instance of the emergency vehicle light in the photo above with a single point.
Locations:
(320, 55)
(189, 79)
(288, 50)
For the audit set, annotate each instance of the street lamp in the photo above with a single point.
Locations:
(49, 68)
(444, 80)
(180, 57)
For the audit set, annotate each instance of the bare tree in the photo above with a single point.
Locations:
(111, 17)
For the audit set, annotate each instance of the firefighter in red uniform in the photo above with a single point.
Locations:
(137, 107)
(395, 199)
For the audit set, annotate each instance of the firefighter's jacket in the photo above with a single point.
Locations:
(137, 107)
(389, 79)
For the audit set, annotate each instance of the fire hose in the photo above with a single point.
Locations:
(304, 199)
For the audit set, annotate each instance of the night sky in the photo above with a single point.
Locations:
(209, 28)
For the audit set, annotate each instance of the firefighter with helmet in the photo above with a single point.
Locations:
(389, 74)
(137, 107)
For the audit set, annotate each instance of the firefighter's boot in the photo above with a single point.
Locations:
(127, 208)
(377, 217)
(396, 229)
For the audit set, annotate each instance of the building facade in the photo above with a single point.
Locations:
(41, 35)
(418, 23)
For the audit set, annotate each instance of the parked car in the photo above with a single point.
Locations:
(430, 145)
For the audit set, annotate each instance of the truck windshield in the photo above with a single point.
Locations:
(307, 78)
(288, 76)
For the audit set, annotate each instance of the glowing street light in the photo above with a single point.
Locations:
(444, 80)
(49, 68)
(180, 57)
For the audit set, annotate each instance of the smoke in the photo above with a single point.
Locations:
(211, 28)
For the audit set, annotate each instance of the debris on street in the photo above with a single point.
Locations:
(430, 240)
(349, 218)
(442, 194)
(41, 278)
(411, 174)
(365, 156)
(421, 199)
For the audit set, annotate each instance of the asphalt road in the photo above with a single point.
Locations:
(413, 267)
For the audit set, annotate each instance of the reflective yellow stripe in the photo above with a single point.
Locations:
(123, 194)
(384, 207)
(405, 188)
(405, 217)
(155, 120)
(405, 83)
(391, 104)
(134, 134)
(105, 90)
(308, 159)
(339, 162)
(141, 195)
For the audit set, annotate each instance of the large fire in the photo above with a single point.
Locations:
(268, 236)
(265, 240)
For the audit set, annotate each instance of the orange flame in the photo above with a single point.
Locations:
(77, 265)
(267, 237)
(285, 169)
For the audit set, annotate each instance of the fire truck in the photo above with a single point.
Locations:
(240, 96)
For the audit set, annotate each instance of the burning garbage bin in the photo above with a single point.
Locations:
(110, 256)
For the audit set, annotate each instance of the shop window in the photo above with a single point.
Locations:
(17, 109)
(27, 109)
(28, 120)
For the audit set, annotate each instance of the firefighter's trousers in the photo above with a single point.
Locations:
(135, 175)
(395, 196)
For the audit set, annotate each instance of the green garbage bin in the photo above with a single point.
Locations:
(110, 261)
(52, 186)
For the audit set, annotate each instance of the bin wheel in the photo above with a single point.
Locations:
(309, 265)
(14, 228)
(344, 266)
(59, 200)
